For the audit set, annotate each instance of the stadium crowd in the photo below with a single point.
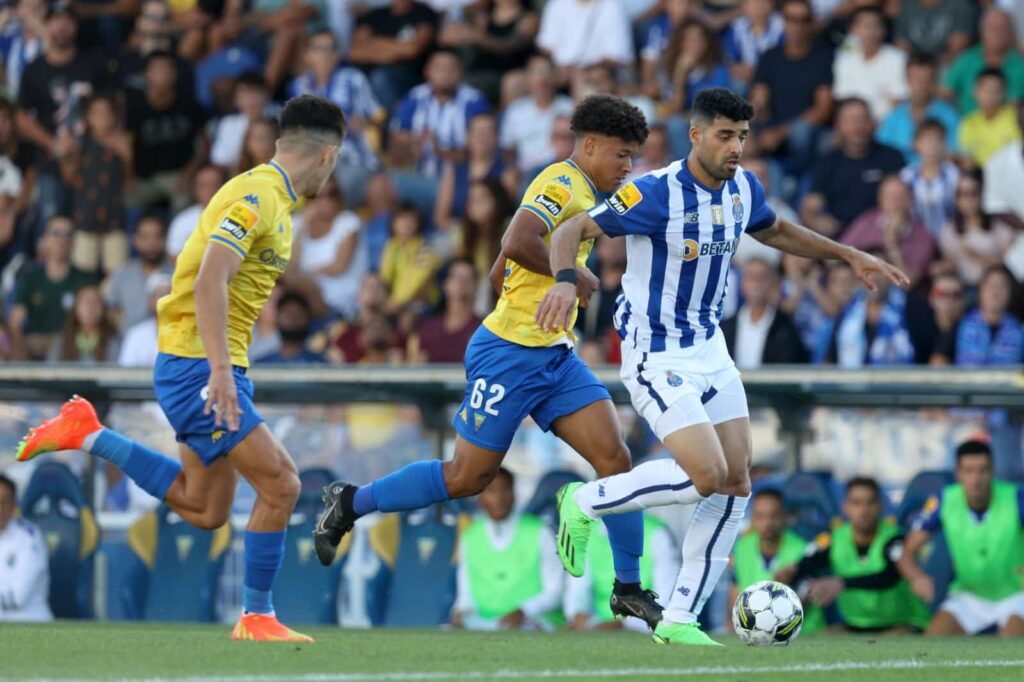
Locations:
(894, 126)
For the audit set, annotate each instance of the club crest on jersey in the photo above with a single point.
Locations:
(239, 220)
(674, 379)
(554, 198)
(626, 198)
(737, 208)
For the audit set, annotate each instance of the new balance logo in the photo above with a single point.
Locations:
(600, 490)
(253, 199)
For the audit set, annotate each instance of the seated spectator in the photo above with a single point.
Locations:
(981, 518)
(379, 340)
(941, 29)
(431, 123)
(805, 298)
(444, 337)
(1004, 176)
(758, 29)
(601, 79)
(855, 566)
(596, 320)
(18, 158)
(892, 228)
(252, 103)
(751, 247)
(88, 337)
(258, 146)
(168, 140)
(330, 249)
(990, 334)
(150, 243)
(656, 153)
(408, 264)
(899, 128)
(479, 240)
(43, 293)
(97, 169)
(508, 577)
(348, 335)
(846, 180)
(869, 68)
(294, 320)
(766, 548)
(973, 240)
(139, 344)
(997, 49)
(567, 30)
(22, 41)
(527, 123)
(659, 34)
(948, 301)
(483, 163)
(207, 181)
(25, 570)
(992, 126)
(792, 91)
(933, 178)
(391, 44)
(155, 31)
(760, 333)
(693, 62)
(381, 204)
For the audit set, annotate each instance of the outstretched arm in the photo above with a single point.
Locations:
(558, 305)
(920, 582)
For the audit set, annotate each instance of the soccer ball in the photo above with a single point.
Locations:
(767, 614)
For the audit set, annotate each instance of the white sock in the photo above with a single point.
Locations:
(90, 440)
(652, 484)
(706, 550)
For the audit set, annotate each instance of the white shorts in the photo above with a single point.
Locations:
(976, 614)
(679, 388)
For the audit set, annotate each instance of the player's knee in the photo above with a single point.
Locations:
(737, 483)
(709, 477)
(617, 460)
(464, 481)
(212, 519)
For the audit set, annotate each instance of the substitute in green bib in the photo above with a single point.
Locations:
(588, 598)
(857, 564)
(766, 548)
(982, 520)
(509, 574)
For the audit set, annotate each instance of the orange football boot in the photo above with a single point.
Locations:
(66, 431)
(265, 627)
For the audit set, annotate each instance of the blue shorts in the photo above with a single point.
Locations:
(180, 387)
(506, 381)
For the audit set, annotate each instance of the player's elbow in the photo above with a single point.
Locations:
(513, 245)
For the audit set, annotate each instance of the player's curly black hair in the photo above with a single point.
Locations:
(610, 116)
(720, 102)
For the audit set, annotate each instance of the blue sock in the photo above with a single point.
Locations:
(363, 502)
(626, 536)
(153, 471)
(415, 486)
(263, 555)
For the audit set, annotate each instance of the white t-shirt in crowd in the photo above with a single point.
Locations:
(181, 228)
(339, 291)
(1004, 181)
(882, 81)
(526, 128)
(138, 349)
(586, 32)
(751, 337)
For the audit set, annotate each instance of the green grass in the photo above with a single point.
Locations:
(161, 652)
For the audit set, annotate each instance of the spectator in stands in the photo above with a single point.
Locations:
(804, 297)
(990, 334)
(483, 163)
(22, 41)
(252, 103)
(19, 158)
(792, 91)
(948, 301)
(479, 241)
(128, 308)
(996, 49)
(408, 264)
(693, 61)
(1004, 176)
(601, 79)
(595, 321)
(44, 293)
(527, 124)
(938, 28)
(893, 228)
(869, 68)
(766, 548)
(381, 204)
(10, 243)
(760, 333)
(156, 32)
(294, 320)
(25, 569)
(507, 578)
(207, 181)
(391, 43)
(330, 249)
(656, 152)
(972, 240)
(899, 128)
(258, 146)
(859, 563)
(97, 168)
(88, 337)
(139, 344)
(50, 97)
(993, 125)
(758, 29)
(932, 178)
(568, 28)
(846, 179)
(444, 337)
(379, 340)
(169, 143)
(981, 519)
(659, 34)
(371, 302)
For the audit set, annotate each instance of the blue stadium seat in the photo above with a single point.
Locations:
(920, 488)
(175, 569)
(415, 586)
(304, 591)
(810, 503)
(542, 503)
(54, 501)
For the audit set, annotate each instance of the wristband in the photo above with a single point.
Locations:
(567, 275)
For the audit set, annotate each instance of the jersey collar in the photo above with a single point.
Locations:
(287, 180)
(593, 187)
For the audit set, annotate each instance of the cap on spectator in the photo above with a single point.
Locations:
(61, 7)
(10, 178)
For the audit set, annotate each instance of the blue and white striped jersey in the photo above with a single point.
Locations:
(445, 123)
(350, 89)
(681, 236)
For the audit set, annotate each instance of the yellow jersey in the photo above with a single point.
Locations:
(251, 216)
(558, 193)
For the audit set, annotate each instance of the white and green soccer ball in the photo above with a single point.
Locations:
(767, 614)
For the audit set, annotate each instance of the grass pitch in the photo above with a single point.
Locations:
(154, 652)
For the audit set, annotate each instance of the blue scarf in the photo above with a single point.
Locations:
(976, 345)
(891, 345)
